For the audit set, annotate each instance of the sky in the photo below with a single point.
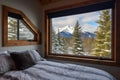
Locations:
(86, 20)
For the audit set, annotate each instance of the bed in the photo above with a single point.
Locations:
(50, 70)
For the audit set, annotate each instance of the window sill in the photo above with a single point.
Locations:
(80, 59)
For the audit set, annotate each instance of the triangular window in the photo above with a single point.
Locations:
(17, 29)
(24, 32)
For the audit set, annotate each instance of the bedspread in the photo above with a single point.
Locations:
(49, 70)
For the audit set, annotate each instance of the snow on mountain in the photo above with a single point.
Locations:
(67, 29)
(67, 32)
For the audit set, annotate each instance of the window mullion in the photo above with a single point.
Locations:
(17, 29)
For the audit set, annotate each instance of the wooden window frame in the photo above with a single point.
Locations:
(27, 22)
(115, 61)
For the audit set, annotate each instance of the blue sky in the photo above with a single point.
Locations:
(86, 20)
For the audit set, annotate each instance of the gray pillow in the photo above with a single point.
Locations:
(6, 63)
(35, 55)
(22, 60)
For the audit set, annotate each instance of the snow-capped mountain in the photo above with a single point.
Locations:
(67, 32)
(68, 29)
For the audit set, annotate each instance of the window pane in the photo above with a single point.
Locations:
(12, 28)
(86, 34)
(24, 32)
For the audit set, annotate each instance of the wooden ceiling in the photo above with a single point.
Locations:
(45, 2)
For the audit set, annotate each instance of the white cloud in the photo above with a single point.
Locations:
(88, 28)
(88, 17)
(60, 22)
(63, 21)
(84, 20)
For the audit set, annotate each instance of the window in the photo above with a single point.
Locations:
(82, 32)
(24, 32)
(17, 29)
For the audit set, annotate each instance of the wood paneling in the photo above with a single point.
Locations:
(45, 2)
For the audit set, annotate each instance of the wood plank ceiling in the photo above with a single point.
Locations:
(45, 2)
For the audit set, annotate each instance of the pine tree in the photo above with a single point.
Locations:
(57, 43)
(77, 41)
(61, 43)
(54, 42)
(87, 44)
(12, 29)
(103, 35)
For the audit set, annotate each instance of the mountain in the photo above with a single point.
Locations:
(67, 32)
(66, 29)
(84, 34)
(88, 35)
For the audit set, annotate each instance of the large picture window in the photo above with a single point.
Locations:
(84, 32)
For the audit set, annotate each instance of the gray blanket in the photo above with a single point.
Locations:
(48, 70)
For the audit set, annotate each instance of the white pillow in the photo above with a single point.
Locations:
(4, 52)
(6, 63)
(35, 55)
(16, 51)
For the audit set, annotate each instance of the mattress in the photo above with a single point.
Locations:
(49, 70)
